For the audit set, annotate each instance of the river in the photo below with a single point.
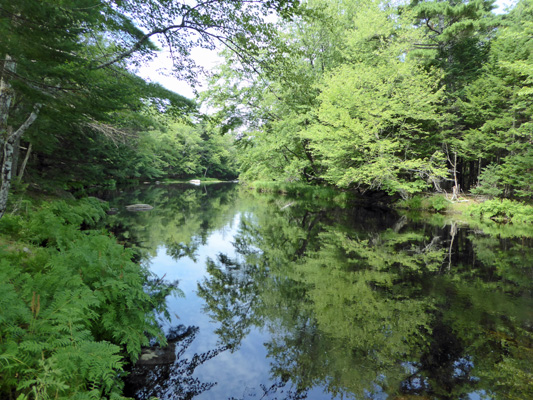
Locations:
(324, 298)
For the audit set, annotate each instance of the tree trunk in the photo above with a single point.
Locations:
(23, 166)
(455, 189)
(6, 94)
(16, 157)
(10, 139)
(6, 98)
(7, 164)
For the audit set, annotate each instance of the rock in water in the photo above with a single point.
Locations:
(158, 355)
(139, 207)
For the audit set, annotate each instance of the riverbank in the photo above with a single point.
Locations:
(499, 210)
(75, 306)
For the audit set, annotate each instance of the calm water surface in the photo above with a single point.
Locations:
(323, 299)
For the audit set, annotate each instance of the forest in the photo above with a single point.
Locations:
(376, 96)
(365, 96)
(388, 98)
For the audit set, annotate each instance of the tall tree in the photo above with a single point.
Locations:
(499, 108)
(274, 104)
(456, 39)
(378, 111)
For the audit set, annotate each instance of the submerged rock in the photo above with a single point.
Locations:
(139, 207)
(156, 355)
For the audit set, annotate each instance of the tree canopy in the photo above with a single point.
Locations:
(376, 96)
(68, 67)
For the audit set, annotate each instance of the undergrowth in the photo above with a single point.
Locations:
(74, 307)
(432, 203)
(503, 210)
(499, 210)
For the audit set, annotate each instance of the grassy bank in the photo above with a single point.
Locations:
(74, 308)
(500, 210)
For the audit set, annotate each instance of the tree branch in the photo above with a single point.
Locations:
(138, 45)
(30, 120)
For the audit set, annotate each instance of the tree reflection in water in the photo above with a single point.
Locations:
(171, 381)
(355, 302)
(408, 310)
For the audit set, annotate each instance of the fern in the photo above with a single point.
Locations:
(72, 303)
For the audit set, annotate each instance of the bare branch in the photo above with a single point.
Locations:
(29, 121)
(137, 46)
(115, 135)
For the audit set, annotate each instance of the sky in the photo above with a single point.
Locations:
(210, 59)
(203, 57)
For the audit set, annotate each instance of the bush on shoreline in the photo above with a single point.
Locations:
(499, 210)
(503, 210)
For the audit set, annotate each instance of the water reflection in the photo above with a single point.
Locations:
(341, 302)
(171, 381)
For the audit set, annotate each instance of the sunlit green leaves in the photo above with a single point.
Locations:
(372, 129)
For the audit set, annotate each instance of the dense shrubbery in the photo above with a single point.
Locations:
(503, 210)
(75, 307)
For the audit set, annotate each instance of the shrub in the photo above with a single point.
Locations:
(503, 210)
(438, 203)
(489, 182)
(414, 203)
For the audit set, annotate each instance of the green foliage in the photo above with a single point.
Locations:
(489, 182)
(365, 114)
(496, 109)
(438, 203)
(74, 305)
(517, 173)
(368, 132)
(371, 96)
(503, 210)
(413, 203)
(348, 106)
(76, 72)
(174, 150)
(276, 107)
(301, 191)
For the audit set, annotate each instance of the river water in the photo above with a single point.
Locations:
(324, 298)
